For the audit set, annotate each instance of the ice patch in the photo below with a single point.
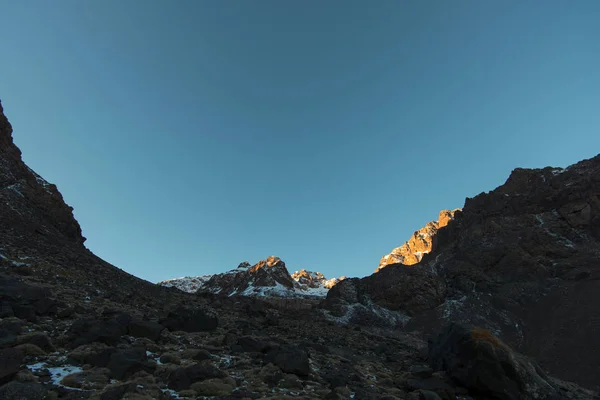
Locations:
(57, 373)
(171, 392)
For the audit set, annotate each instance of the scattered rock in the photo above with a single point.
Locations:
(253, 344)
(183, 377)
(190, 320)
(39, 339)
(170, 358)
(290, 359)
(213, 387)
(196, 354)
(23, 391)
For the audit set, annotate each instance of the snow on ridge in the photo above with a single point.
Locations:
(317, 288)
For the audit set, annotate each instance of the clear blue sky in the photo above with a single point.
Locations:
(192, 135)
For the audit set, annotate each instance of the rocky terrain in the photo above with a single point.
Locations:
(521, 261)
(75, 327)
(267, 278)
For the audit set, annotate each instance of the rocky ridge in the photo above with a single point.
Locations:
(422, 242)
(521, 261)
(267, 278)
(75, 327)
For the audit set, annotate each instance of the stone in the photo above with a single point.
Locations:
(106, 330)
(212, 387)
(253, 344)
(125, 362)
(39, 339)
(289, 359)
(477, 360)
(10, 362)
(170, 358)
(196, 354)
(182, 378)
(190, 320)
(147, 329)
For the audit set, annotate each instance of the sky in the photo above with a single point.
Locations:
(192, 135)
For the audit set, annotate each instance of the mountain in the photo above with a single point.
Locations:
(73, 326)
(422, 242)
(520, 261)
(267, 278)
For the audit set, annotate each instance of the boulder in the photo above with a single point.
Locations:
(479, 361)
(125, 362)
(106, 330)
(39, 339)
(289, 359)
(10, 362)
(147, 329)
(182, 378)
(189, 319)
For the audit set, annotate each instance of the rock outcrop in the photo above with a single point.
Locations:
(477, 360)
(520, 261)
(422, 242)
(32, 204)
(315, 280)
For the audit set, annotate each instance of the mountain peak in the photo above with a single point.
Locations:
(267, 278)
(421, 242)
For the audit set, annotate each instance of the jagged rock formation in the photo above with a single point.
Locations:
(75, 327)
(36, 205)
(422, 242)
(521, 261)
(315, 280)
(268, 278)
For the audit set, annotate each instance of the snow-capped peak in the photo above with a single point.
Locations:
(268, 277)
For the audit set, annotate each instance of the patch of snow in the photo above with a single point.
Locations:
(225, 361)
(57, 374)
(451, 306)
(171, 392)
(419, 254)
(199, 283)
(394, 317)
(41, 181)
(15, 188)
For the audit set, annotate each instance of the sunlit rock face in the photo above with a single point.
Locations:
(422, 242)
(315, 280)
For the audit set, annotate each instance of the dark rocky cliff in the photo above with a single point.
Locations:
(521, 260)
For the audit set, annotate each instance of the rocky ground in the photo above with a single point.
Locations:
(75, 327)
